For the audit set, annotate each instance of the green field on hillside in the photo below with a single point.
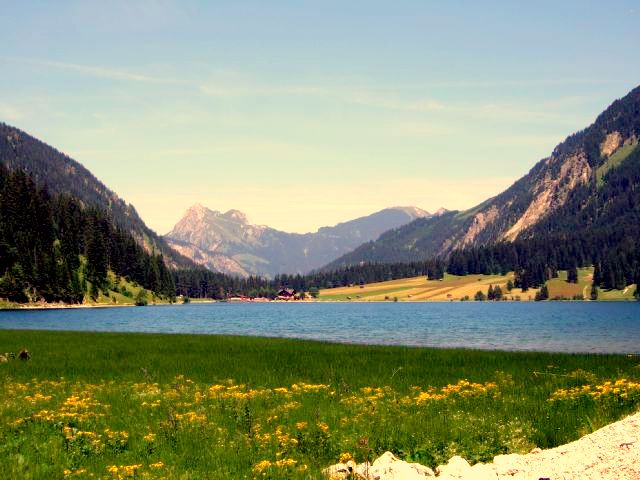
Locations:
(454, 287)
(115, 406)
(119, 291)
(615, 160)
(123, 292)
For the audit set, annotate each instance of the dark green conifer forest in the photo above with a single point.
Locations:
(53, 248)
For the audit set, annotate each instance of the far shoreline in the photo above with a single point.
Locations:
(71, 306)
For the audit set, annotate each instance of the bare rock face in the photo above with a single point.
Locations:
(551, 191)
(611, 143)
(480, 221)
(213, 261)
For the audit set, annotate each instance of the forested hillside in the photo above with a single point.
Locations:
(54, 248)
(572, 192)
(599, 225)
(63, 175)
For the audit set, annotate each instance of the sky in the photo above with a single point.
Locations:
(303, 114)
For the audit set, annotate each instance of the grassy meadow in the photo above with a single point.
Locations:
(454, 287)
(114, 406)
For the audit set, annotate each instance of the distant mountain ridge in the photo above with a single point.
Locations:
(562, 189)
(228, 243)
(63, 175)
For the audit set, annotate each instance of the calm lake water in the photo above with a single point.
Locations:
(552, 326)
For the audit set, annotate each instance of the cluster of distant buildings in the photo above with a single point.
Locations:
(283, 295)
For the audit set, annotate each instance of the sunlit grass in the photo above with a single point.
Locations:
(187, 406)
(454, 287)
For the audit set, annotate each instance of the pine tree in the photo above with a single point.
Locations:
(96, 252)
(597, 275)
(542, 294)
(572, 274)
(497, 293)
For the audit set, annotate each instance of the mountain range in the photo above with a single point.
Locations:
(587, 188)
(228, 243)
(571, 192)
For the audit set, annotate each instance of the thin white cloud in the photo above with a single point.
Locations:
(285, 151)
(98, 71)
(366, 96)
(530, 83)
(237, 85)
(222, 90)
(421, 129)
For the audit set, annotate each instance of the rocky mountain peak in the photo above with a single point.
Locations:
(440, 211)
(228, 242)
(413, 212)
(236, 215)
(197, 210)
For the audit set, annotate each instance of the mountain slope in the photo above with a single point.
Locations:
(227, 242)
(578, 164)
(63, 175)
(53, 249)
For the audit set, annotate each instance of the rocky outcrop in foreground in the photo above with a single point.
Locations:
(613, 452)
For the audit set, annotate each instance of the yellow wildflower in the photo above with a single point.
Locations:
(261, 466)
(345, 457)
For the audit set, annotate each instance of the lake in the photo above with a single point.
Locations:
(546, 326)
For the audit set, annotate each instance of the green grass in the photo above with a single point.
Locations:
(161, 385)
(618, 295)
(559, 288)
(614, 160)
(4, 304)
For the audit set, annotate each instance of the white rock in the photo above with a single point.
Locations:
(340, 470)
(457, 467)
(388, 467)
(482, 471)
(363, 469)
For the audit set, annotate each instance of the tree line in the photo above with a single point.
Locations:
(54, 248)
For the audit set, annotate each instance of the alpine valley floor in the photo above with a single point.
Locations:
(454, 287)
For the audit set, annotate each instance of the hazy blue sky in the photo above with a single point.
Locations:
(305, 113)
